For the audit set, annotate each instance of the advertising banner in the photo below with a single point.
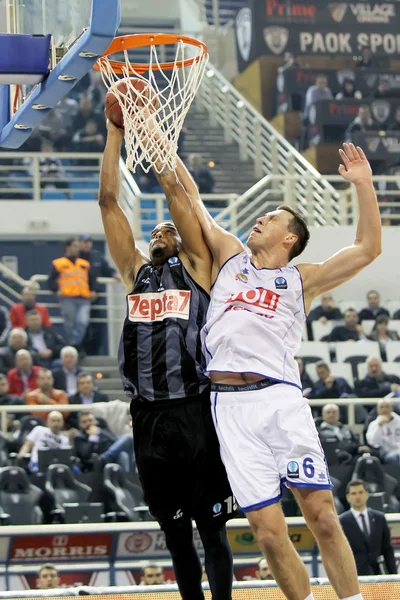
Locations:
(51, 548)
(273, 27)
(242, 540)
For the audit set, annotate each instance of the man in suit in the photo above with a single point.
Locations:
(86, 394)
(45, 340)
(66, 377)
(368, 532)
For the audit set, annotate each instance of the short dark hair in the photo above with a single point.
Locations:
(47, 566)
(322, 364)
(85, 413)
(350, 309)
(373, 292)
(356, 483)
(298, 226)
(151, 566)
(364, 106)
(69, 241)
(381, 319)
(83, 374)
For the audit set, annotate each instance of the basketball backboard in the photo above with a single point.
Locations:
(81, 30)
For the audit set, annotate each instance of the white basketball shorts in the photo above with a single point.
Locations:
(268, 438)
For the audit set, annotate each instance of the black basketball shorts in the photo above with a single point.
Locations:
(179, 463)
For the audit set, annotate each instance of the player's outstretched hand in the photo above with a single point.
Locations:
(355, 167)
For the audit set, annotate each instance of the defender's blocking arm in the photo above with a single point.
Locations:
(345, 264)
(127, 257)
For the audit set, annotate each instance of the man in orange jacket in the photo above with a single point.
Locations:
(75, 286)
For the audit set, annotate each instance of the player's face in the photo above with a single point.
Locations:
(164, 243)
(272, 230)
(327, 301)
(357, 497)
(351, 318)
(48, 579)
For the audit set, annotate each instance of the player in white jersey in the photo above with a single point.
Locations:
(253, 331)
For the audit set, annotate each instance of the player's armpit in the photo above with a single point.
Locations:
(339, 268)
(221, 243)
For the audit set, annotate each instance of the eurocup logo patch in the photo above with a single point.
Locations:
(292, 470)
(217, 509)
(280, 283)
(173, 260)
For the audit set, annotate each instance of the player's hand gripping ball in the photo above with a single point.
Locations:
(133, 101)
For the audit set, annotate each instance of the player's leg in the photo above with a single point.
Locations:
(270, 530)
(242, 422)
(217, 560)
(319, 511)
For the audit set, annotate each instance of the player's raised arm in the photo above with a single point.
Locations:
(121, 243)
(221, 243)
(346, 263)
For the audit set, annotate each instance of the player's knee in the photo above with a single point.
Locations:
(270, 535)
(324, 522)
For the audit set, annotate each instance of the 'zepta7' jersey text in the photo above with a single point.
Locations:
(255, 321)
(160, 353)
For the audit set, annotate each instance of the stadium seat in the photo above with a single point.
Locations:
(369, 469)
(342, 370)
(355, 352)
(336, 483)
(393, 351)
(62, 485)
(356, 304)
(19, 498)
(392, 306)
(27, 424)
(313, 352)
(368, 326)
(122, 496)
(394, 325)
(391, 368)
(319, 329)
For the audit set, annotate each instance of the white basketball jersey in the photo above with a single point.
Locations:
(255, 321)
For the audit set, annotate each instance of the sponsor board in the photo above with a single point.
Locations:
(147, 543)
(49, 548)
(242, 539)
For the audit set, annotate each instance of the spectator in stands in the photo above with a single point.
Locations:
(54, 129)
(328, 386)
(48, 577)
(363, 122)
(290, 61)
(384, 433)
(348, 91)
(86, 394)
(351, 330)
(331, 429)
(71, 279)
(45, 393)
(263, 571)
(24, 377)
(96, 91)
(85, 113)
(68, 109)
(326, 311)
(45, 340)
(366, 60)
(315, 93)
(66, 377)
(90, 138)
(395, 124)
(44, 437)
(17, 340)
(5, 325)
(383, 89)
(18, 311)
(382, 334)
(152, 574)
(374, 309)
(92, 439)
(6, 399)
(306, 382)
(52, 174)
(376, 383)
(367, 531)
(202, 175)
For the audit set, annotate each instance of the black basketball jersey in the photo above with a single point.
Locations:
(160, 353)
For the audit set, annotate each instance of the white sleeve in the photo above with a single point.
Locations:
(374, 434)
(35, 434)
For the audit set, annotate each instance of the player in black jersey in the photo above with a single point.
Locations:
(161, 363)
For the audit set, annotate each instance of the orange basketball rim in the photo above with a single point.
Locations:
(142, 40)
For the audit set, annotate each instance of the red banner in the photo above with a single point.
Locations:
(60, 547)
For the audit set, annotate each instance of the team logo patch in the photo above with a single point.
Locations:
(281, 283)
(242, 276)
(276, 38)
(217, 509)
(380, 110)
(173, 260)
(150, 307)
(338, 11)
(292, 470)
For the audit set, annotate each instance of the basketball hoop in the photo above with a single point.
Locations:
(154, 115)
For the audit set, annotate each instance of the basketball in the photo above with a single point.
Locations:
(113, 108)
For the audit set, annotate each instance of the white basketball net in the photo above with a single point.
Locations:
(153, 121)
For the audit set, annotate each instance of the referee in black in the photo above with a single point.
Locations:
(161, 364)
